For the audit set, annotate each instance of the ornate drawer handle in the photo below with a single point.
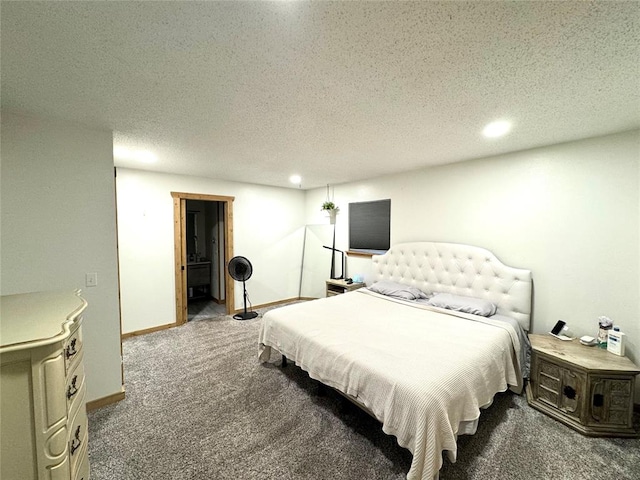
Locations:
(75, 443)
(569, 392)
(72, 390)
(597, 401)
(71, 349)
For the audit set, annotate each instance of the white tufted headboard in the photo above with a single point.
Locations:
(461, 270)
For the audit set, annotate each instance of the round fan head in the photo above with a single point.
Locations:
(240, 269)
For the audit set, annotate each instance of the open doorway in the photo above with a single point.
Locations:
(203, 242)
(205, 259)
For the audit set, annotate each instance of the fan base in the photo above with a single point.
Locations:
(245, 315)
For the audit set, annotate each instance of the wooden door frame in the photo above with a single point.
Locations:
(180, 248)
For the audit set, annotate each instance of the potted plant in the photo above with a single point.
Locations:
(331, 209)
(329, 206)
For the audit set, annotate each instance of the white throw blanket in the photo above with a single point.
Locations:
(424, 374)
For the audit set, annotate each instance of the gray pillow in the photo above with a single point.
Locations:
(397, 290)
(459, 303)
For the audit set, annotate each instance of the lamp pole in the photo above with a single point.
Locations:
(333, 254)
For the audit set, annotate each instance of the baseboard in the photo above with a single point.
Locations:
(136, 333)
(272, 304)
(124, 336)
(104, 401)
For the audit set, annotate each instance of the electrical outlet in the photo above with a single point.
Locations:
(91, 279)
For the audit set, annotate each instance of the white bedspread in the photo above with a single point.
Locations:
(421, 372)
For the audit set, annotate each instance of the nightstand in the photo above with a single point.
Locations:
(336, 287)
(587, 388)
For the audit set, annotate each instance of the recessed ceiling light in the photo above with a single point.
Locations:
(144, 156)
(296, 179)
(497, 129)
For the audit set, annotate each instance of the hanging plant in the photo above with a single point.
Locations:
(328, 205)
(331, 209)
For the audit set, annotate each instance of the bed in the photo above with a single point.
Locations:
(439, 331)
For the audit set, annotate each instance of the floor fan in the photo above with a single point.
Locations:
(240, 270)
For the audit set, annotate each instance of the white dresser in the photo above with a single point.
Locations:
(43, 418)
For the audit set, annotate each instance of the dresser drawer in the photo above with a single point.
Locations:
(77, 440)
(59, 471)
(74, 391)
(72, 349)
(83, 468)
(56, 444)
(51, 386)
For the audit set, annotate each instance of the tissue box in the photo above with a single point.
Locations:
(615, 342)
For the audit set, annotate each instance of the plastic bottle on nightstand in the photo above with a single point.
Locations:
(605, 325)
(615, 341)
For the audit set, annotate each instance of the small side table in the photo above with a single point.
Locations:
(587, 388)
(337, 287)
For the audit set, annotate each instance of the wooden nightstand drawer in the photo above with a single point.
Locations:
(559, 387)
(572, 394)
(612, 402)
(548, 396)
(549, 376)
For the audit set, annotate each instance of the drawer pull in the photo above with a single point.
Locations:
(71, 349)
(597, 401)
(75, 443)
(72, 389)
(569, 392)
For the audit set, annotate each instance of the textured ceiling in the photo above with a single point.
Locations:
(336, 92)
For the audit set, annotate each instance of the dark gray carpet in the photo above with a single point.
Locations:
(199, 406)
(204, 308)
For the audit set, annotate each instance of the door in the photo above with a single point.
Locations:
(180, 248)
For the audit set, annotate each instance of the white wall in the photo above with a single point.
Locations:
(58, 223)
(569, 212)
(267, 229)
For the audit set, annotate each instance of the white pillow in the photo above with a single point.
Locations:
(397, 290)
(459, 303)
